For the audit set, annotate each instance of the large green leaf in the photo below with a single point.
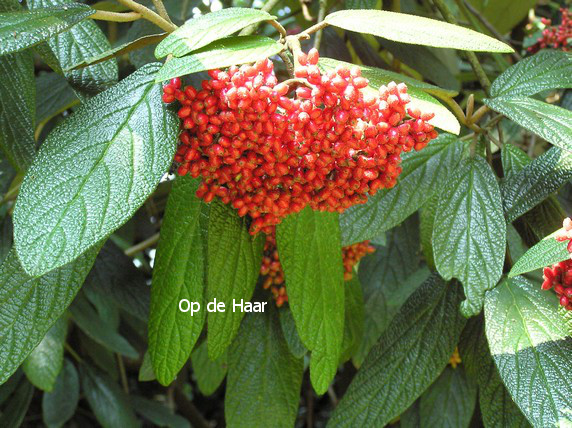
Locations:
(44, 364)
(469, 231)
(424, 173)
(388, 277)
(60, 405)
(54, 95)
(82, 41)
(545, 253)
(234, 259)
(504, 15)
(109, 403)
(550, 122)
(497, 408)
(93, 172)
(530, 342)
(513, 160)
(25, 28)
(208, 373)
(222, 53)
(179, 273)
(31, 305)
(420, 92)
(260, 365)
(450, 401)
(311, 257)
(99, 329)
(548, 69)
(417, 30)
(409, 356)
(535, 182)
(17, 109)
(202, 30)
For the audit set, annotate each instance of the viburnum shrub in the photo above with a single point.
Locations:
(285, 214)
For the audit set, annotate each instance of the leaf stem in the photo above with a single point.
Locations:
(122, 373)
(143, 245)
(470, 56)
(162, 10)
(103, 15)
(149, 15)
(268, 6)
(321, 16)
(71, 351)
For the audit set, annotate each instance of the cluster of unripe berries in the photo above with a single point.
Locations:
(559, 275)
(556, 37)
(273, 275)
(269, 154)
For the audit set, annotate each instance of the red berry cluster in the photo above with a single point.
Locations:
(559, 275)
(557, 37)
(273, 274)
(270, 155)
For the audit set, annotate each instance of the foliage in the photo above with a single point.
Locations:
(163, 264)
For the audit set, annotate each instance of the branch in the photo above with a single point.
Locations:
(268, 6)
(321, 16)
(162, 10)
(149, 15)
(103, 15)
(143, 245)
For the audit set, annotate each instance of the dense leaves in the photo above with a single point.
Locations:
(85, 184)
(59, 405)
(425, 331)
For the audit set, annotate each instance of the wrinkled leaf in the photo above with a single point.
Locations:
(469, 231)
(545, 253)
(54, 95)
(202, 30)
(418, 30)
(354, 318)
(60, 405)
(219, 54)
(93, 172)
(208, 373)
(157, 413)
(311, 257)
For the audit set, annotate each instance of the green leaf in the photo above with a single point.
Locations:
(44, 364)
(219, 54)
(288, 324)
(234, 259)
(417, 30)
(179, 273)
(24, 28)
(388, 277)
(115, 277)
(545, 253)
(53, 96)
(264, 379)
(354, 318)
(360, 4)
(311, 257)
(146, 373)
(548, 121)
(548, 69)
(17, 406)
(450, 401)
(17, 109)
(31, 305)
(531, 345)
(157, 413)
(513, 160)
(93, 172)
(98, 329)
(424, 173)
(118, 51)
(469, 232)
(60, 405)
(426, 220)
(208, 373)
(409, 356)
(504, 15)
(420, 92)
(202, 30)
(497, 408)
(525, 189)
(109, 403)
(83, 40)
